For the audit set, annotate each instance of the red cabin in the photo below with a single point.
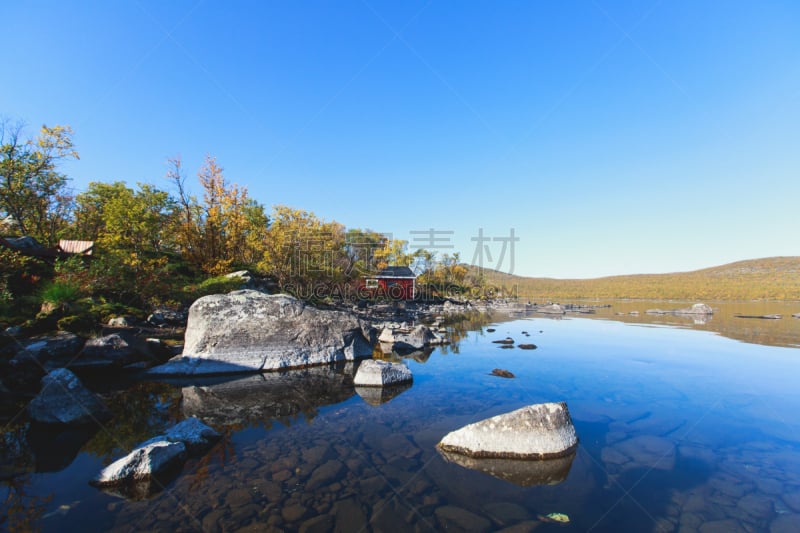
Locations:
(395, 282)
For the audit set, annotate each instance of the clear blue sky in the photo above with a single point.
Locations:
(613, 137)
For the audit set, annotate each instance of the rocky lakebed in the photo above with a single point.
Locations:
(272, 414)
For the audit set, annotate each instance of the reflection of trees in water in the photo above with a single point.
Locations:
(139, 413)
(459, 325)
(22, 511)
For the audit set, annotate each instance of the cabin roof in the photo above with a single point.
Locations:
(76, 247)
(396, 272)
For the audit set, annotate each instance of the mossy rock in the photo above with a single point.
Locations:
(106, 311)
(77, 323)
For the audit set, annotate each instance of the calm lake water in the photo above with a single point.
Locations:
(681, 428)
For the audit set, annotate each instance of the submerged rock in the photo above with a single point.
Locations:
(248, 331)
(148, 460)
(372, 373)
(526, 346)
(539, 431)
(156, 461)
(64, 400)
(501, 373)
(507, 340)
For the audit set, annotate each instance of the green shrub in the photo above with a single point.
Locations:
(217, 285)
(61, 292)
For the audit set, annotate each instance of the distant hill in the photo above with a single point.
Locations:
(774, 278)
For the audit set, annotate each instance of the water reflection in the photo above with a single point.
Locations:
(518, 472)
(260, 399)
(380, 395)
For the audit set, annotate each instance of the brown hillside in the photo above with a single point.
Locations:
(773, 278)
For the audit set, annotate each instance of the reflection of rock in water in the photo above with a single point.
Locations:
(56, 447)
(379, 395)
(519, 472)
(274, 395)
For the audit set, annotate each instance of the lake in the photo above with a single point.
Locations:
(682, 426)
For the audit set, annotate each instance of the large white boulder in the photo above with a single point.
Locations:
(540, 431)
(249, 331)
(372, 373)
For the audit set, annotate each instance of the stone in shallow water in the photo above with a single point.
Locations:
(142, 463)
(506, 513)
(452, 517)
(648, 451)
(785, 523)
(325, 474)
(722, 526)
(372, 373)
(539, 431)
(348, 516)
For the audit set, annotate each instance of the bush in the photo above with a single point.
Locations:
(61, 292)
(217, 285)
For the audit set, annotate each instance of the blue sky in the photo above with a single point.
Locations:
(613, 137)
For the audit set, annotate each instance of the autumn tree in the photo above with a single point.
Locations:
(227, 228)
(132, 229)
(32, 192)
(393, 253)
(361, 247)
(300, 250)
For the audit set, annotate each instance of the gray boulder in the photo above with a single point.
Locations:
(552, 309)
(540, 431)
(48, 351)
(115, 350)
(167, 317)
(150, 459)
(196, 436)
(372, 373)
(64, 400)
(122, 322)
(696, 309)
(153, 463)
(249, 331)
(408, 339)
